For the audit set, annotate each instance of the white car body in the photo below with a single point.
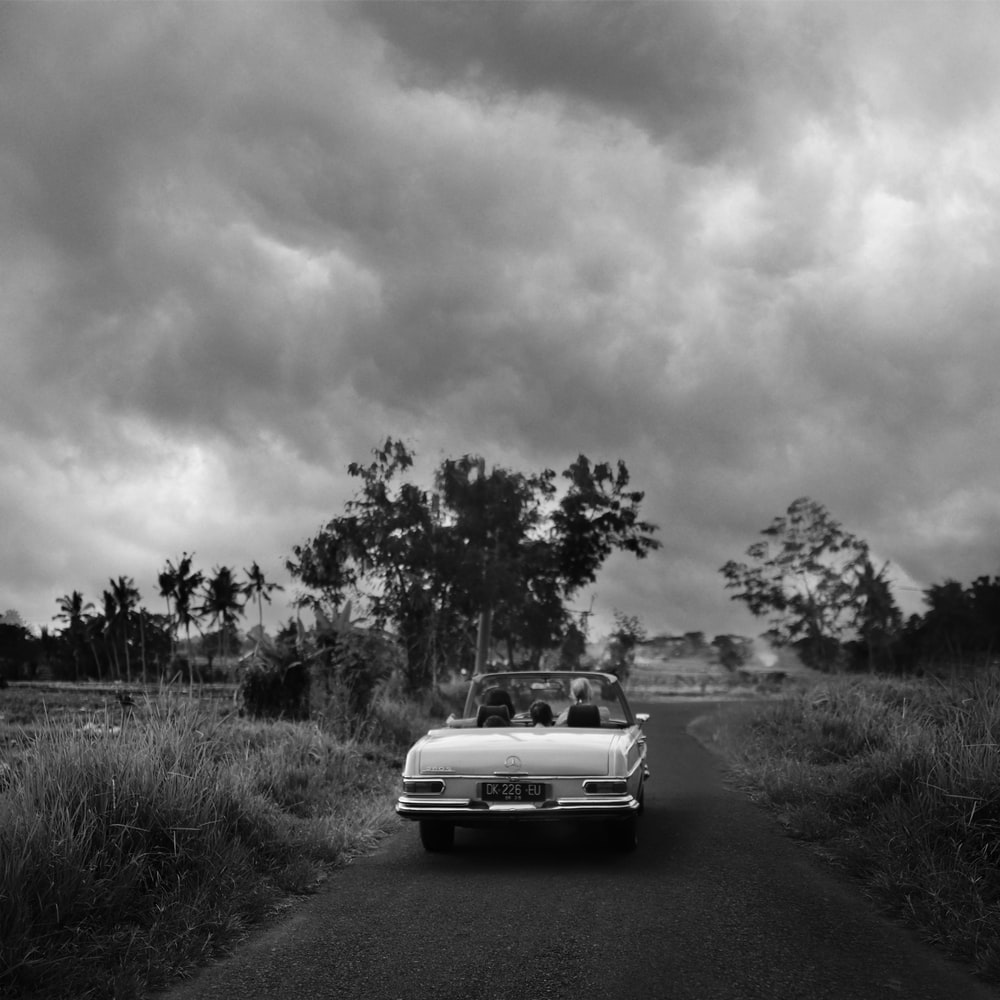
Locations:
(469, 774)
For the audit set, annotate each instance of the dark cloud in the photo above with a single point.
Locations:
(748, 248)
(702, 76)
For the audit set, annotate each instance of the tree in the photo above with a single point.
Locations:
(804, 579)
(961, 624)
(107, 622)
(18, 647)
(125, 598)
(878, 618)
(186, 583)
(72, 611)
(619, 655)
(167, 581)
(494, 546)
(222, 604)
(387, 547)
(259, 589)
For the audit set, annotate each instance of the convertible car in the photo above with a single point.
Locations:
(531, 746)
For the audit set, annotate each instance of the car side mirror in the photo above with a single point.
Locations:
(642, 717)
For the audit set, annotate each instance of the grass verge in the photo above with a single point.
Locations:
(133, 850)
(898, 781)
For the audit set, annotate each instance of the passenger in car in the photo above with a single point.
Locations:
(541, 713)
(493, 720)
(580, 690)
(582, 694)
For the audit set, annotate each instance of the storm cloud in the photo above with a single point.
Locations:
(747, 248)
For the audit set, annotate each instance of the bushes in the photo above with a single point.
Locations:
(901, 780)
(330, 673)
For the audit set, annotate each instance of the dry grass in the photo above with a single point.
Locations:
(133, 848)
(900, 782)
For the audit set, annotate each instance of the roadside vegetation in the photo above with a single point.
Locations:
(137, 843)
(897, 780)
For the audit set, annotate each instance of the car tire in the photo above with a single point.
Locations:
(623, 834)
(437, 835)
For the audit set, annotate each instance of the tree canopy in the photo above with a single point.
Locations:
(429, 561)
(814, 583)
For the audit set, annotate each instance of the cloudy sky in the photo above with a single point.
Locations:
(751, 249)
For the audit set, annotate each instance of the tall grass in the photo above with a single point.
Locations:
(900, 782)
(128, 857)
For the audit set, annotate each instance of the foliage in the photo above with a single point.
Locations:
(628, 629)
(572, 648)
(274, 681)
(258, 588)
(732, 651)
(814, 583)
(429, 562)
(961, 625)
(222, 603)
(619, 655)
(17, 648)
(348, 666)
(877, 617)
(331, 673)
(72, 610)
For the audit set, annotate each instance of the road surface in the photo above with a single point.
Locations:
(716, 904)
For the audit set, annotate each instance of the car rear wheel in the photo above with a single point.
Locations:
(437, 835)
(623, 834)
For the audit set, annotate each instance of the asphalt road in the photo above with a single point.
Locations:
(716, 904)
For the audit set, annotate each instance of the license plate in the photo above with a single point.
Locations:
(513, 791)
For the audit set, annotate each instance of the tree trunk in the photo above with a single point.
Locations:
(483, 640)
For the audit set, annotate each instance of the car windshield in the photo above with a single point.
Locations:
(559, 689)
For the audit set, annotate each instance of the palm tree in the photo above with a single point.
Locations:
(222, 603)
(168, 589)
(257, 587)
(108, 617)
(186, 584)
(71, 611)
(126, 598)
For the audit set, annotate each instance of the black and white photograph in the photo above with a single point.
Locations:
(500, 499)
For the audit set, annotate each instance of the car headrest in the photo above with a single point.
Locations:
(497, 711)
(587, 716)
(500, 696)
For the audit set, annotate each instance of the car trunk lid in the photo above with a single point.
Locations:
(516, 751)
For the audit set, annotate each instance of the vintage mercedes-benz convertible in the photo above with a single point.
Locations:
(531, 746)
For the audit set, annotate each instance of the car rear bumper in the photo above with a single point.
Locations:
(475, 812)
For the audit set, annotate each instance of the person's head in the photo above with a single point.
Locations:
(541, 713)
(580, 689)
(493, 720)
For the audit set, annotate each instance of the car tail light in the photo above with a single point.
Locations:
(606, 786)
(423, 786)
